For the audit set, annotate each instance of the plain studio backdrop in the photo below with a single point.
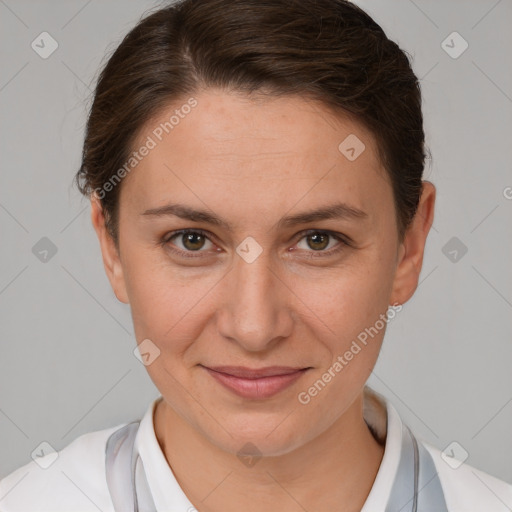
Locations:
(67, 365)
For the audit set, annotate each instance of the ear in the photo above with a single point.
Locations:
(410, 252)
(110, 254)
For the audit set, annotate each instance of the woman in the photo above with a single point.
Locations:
(255, 177)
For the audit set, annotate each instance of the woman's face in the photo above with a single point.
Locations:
(265, 282)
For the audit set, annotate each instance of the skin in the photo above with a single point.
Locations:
(252, 162)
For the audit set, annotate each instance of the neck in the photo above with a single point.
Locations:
(338, 466)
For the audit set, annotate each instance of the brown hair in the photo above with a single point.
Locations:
(326, 50)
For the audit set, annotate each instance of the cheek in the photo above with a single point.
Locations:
(353, 324)
(167, 303)
(353, 310)
(173, 304)
(351, 297)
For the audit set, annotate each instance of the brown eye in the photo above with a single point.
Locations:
(318, 241)
(188, 241)
(193, 241)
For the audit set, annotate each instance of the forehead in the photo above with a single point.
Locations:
(232, 147)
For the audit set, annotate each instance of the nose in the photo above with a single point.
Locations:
(255, 309)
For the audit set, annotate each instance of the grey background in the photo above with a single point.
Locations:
(67, 365)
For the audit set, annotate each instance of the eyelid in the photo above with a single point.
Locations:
(344, 242)
(338, 236)
(342, 239)
(187, 254)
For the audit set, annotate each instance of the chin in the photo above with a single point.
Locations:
(269, 437)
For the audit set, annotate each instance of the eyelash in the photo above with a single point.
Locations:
(343, 242)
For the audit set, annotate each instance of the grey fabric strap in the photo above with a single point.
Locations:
(126, 478)
(416, 487)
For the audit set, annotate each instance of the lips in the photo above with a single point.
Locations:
(257, 383)
(248, 373)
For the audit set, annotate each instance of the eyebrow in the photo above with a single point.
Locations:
(334, 211)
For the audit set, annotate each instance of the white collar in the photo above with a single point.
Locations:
(379, 414)
(383, 419)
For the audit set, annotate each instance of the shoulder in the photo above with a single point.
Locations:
(468, 489)
(70, 479)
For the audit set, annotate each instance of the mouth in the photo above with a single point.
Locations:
(258, 383)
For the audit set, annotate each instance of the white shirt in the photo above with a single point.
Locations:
(76, 481)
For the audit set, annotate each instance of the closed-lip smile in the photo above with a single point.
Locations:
(255, 383)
